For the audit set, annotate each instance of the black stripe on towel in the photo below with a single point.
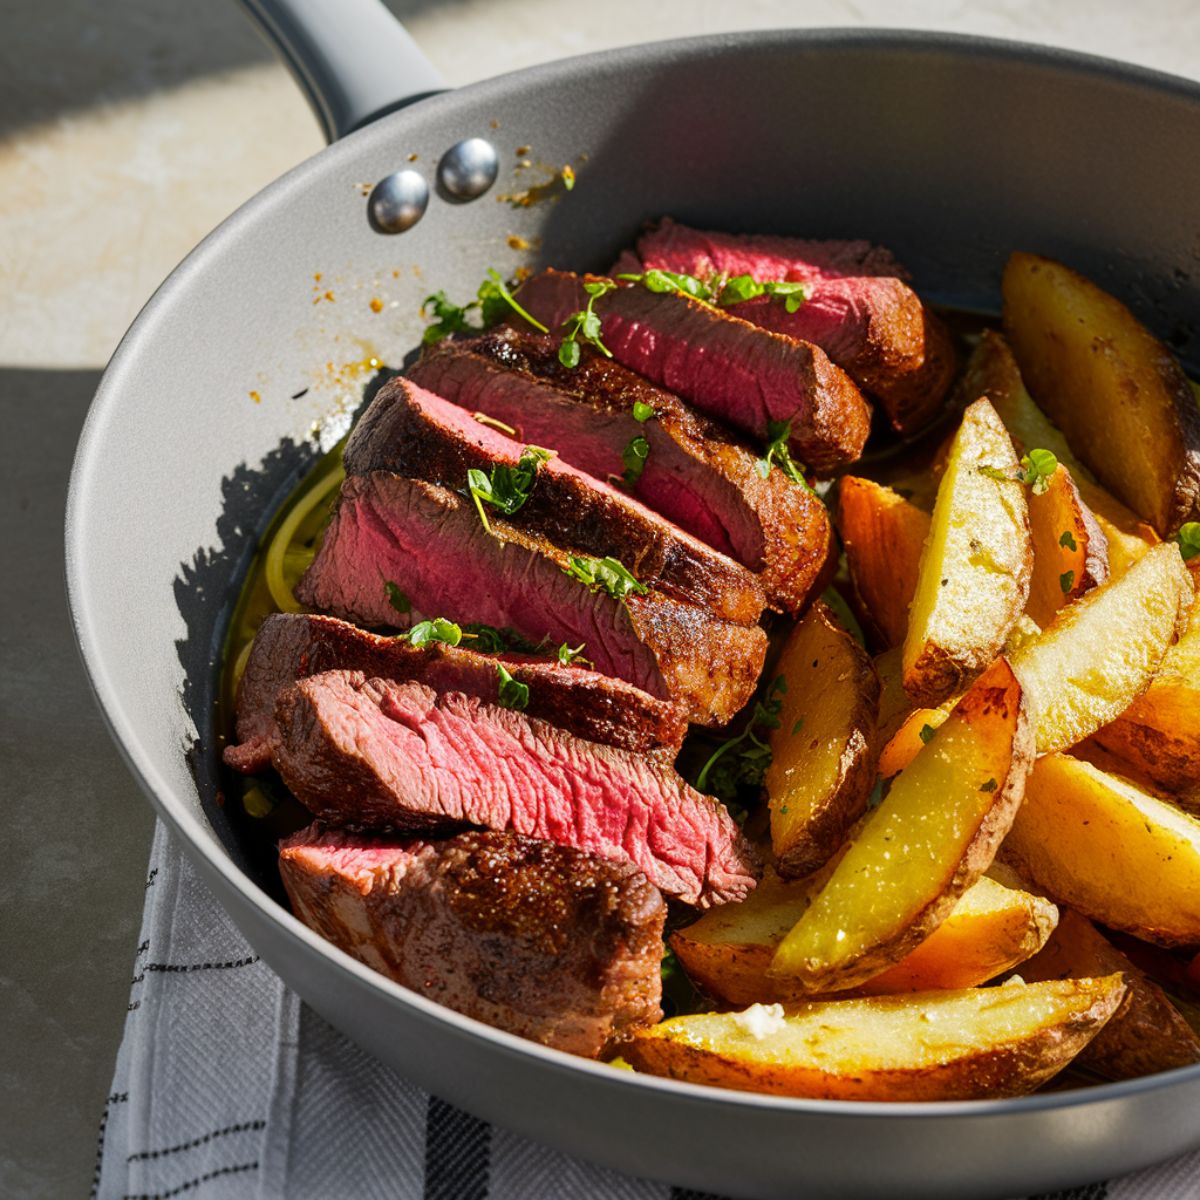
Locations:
(115, 1098)
(1089, 1191)
(689, 1194)
(191, 1184)
(241, 1127)
(457, 1153)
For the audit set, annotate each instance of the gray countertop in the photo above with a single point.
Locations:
(126, 132)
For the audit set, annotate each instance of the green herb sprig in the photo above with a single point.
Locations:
(505, 487)
(1035, 470)
(437, 630)
(634, 456)
(493, 301)
(743, 759)
(513, 694)
(604, 574)
(396, 598)
(1188, 539)
(584, 325)
(745, 287)
(571, 654)
(778, 435)
(721, 290)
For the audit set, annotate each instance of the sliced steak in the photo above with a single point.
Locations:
(737, 372)
(544, 941)
(374, 754)
(430, 542)
(860, 310)
(291, 646)
(412, 432)
(696, 473)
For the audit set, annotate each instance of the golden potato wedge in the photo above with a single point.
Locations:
(894, 704)
(930, 839)
(883, 535)
(1117, 853)
(980, 1042)
(1146, 1034)
(1113, 388)
(905, 744)
(823, 753)
(991, 929)
(1159, 733)
(1070, 552)
(1102, 652)
(974, 576)
(992, 372)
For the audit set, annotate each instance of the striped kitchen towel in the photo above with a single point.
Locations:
(227, 1087)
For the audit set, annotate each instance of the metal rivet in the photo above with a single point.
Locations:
(398, 202)
(468, 169)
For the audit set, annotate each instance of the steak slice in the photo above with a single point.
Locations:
(859, 311)
(291, 646)
(412, 432)
(544, 941)
(374, 754)
(431, 544)
(737, 372)
(696, 473)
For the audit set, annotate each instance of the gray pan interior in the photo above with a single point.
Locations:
(950, 150)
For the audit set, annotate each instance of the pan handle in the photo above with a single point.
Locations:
(352, 59)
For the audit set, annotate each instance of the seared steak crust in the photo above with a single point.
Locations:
(697, 473)
(291, 646)
(735, 371)
(412, 432)
(431, 544)
(860, 310)
(544, 941)
(374, 754)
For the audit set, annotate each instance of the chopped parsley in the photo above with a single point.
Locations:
(506, 488)
(927, 733)
(743, 758)
(642, 411)
(487, 639)
(568, 654)
(1035, 470)
(1066, 581)
(396, 598)
(989, 786)
(634, 457)
(513, 694)
(1067, 541)
(604, 574)
(797, 727)
(437, 630)
(778, 433)
(584, 325)
(1188, 539)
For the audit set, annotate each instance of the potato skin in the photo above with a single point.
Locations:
(997, 700)
(1005, 1068)
(1146, 1034)
(828, 674)
(1111, 386)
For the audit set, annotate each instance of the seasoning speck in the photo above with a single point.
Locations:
(412, 158)
(376, 304)
(256, 397)
(522, 151)
(516, 242)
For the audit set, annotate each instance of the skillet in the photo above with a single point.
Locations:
(252, 355)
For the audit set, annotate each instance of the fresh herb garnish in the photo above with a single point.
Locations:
(743, 758)
(1188, 539)
(778, 433)
(927, 734)
(513, 694)
(604, 574)
(506, 488)
(745, 287)
(487, 639)
(641, 411)
(569, 654)
(1036, 468)
(660, 281)
(437, 630)
(989, 786)
(492, 301)
(396, 598)
(584, 325)
(797, 726)
(634, 457)
(568, 177)
(484, 419)
(1068, 540)
(1066, 581)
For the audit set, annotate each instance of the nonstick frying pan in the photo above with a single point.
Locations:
(251, 356)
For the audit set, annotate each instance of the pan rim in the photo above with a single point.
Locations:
(198, 839)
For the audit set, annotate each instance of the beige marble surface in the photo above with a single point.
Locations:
(128, 129)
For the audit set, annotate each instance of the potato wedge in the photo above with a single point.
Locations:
(991, 929)
(823, 753)
(981, 1042)
(974, 576)
(1146, 1034)
(992, 372)
(929, 840)
(1113, 388)
(1110, 849)
(1102, 652)
(1159, 733)
(905, 744)
(1070, 552)
(883, 535)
